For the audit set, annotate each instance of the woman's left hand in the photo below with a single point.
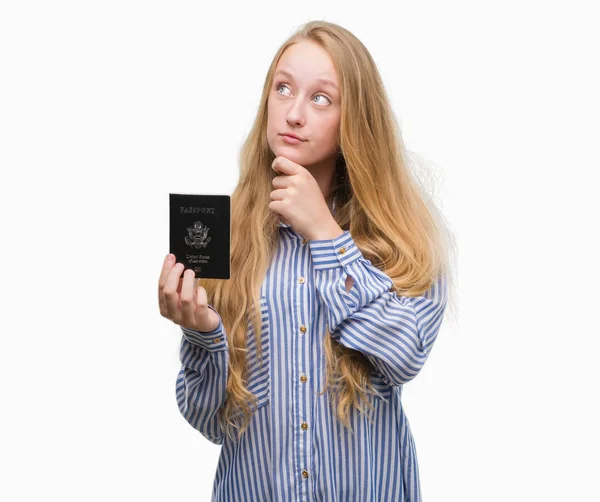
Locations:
(298, 198)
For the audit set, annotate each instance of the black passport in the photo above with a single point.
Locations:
(199, 233)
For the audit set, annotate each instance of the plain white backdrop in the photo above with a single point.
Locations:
(106, 107)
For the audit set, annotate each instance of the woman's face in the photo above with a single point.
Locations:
(302, 104)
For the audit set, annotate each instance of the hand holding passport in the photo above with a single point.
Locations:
(199, 239)
(181, 301)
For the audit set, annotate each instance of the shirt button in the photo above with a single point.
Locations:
(301, 280)
(342, 250)
(304, 241)
(305, 473)
(303, 378)
(216, 340)
(304, 426)
(303, 328)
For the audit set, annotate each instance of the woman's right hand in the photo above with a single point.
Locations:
(180, 302)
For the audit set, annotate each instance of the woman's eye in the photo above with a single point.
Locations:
(279, 86)
(322, 96)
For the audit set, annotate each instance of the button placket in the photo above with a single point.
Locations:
(304, 403)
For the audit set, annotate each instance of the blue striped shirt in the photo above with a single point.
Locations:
(295, 448)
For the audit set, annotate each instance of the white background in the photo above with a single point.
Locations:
(106, 107)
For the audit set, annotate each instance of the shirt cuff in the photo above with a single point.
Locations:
(212, 341)
(332, 253)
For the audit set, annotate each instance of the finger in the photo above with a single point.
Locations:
(201, 299)
(188, 298)
(277, 206)
(283, 182)
(170, 292)
(285, 166)
(280, 165)
(277, 194)
(168, 263)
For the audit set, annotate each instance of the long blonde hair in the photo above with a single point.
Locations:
(389, 216)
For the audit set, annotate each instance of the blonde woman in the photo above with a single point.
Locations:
(339, 283)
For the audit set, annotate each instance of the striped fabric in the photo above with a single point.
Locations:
(295, 448)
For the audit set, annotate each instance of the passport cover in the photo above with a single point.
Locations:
(199, 233)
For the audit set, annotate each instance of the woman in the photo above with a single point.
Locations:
(295, 365)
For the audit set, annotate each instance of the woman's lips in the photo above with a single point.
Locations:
(291, 140)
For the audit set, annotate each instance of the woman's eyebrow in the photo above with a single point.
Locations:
(323, 80)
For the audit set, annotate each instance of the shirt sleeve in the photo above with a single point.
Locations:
(396, 333)
(202, 379)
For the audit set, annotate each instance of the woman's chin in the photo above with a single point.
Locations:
(290, 153)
